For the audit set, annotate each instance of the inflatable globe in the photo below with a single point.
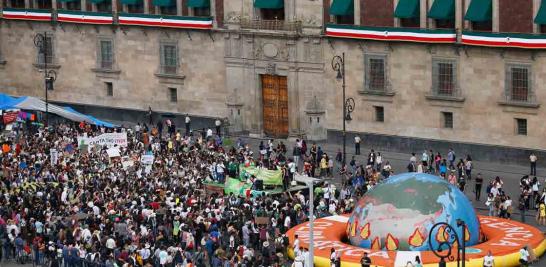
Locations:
(399, 213)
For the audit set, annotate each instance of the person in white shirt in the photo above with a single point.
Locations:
(187, 121)
(524, 256)
(110, 243)
(218, 125)
(209, 133)
(296, 246)
(489, 260)
(357, 145)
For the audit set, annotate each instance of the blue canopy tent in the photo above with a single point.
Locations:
(95, 120)
(6, 99)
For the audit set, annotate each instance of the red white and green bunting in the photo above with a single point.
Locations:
(166, 21)
(26, 14)
(532, 41)
(84, 17)
(391, 34)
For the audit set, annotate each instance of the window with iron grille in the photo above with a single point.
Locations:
(201, 11)
(109, 88)
(448, 120)
(521, 126)
(169, 58)
(46, 50)
(518, 83)
(379, 114)
(173, 94)
(106, 54)
(444, 77)
(375, 69)
(18, 3)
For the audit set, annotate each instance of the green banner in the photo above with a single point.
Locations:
(270, 177)
(236, 187)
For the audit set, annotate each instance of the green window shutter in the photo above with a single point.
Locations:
(269, 4)
(442, 9)
(342, 8)
(98, 1)
(68, 1)
(198, 3)
(407, 9)
(479, 11)
(541, 14)
(131, 2)
(164, 3)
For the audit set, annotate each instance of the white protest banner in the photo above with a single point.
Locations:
(107, 139)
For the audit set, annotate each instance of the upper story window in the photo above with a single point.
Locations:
(479, 13)
(103, 5)
(518, 84)
(71, 4)
(16, 3)
(408, 13)
(375, 79)
(46, 52)
(169, 58)
(43, 4)
(270, 9)
(133, 6)
(444, 77)
(200, 8)
(343, 10)
(166, 7)
(443, 12)
(106, 54)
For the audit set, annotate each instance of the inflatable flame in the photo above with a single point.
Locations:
(353, 228)
(365, 232)
(416, 239)
(391, 243)
(376, 244)
(441, 235)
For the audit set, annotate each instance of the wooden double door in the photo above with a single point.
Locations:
(275, 105)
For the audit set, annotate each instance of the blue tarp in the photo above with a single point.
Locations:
(95, 120)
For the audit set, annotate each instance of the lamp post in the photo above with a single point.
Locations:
(309, 181)
(446, 242)
(338, 65)
(41, 41)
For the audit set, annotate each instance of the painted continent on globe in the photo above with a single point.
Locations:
(399, 213)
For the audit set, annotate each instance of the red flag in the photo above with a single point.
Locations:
(10, 117)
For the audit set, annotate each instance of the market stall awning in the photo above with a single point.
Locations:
(198, 3)
(442, 9)
(164, 3)
(35, 104)
(541, 14)
(270, 4)
(407, 9)
(479, 11)
(342, 8)
(95, 120)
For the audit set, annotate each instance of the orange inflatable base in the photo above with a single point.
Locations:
(504, 239)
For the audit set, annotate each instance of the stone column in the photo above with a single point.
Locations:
(495, 16)
(467, 24)
(396, 20)
(53, 4)
(423, 8)
(146, 7)
(157, 10)
(63, 5)
(83, 5)
(536, 7)
(432, 22)
(459, 15)
(27, 4)
(357, 12)
(115, 7)
(94, 7)
(179, 7)
(213, 13)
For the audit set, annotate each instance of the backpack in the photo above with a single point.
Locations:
(139, 260)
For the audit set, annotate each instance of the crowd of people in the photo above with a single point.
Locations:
(86, 208)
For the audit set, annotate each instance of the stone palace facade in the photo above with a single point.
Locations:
(467, 72)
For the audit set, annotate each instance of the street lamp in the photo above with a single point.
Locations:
(338, 65)
(309, 181)
(447, 241)
(41, 41)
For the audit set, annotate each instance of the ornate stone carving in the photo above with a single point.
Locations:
(271, 68)
(314, 106)
(270, 50)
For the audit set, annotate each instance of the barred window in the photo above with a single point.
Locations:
(443, 77)
(521, 126)
(106, 55)
(379, 113)
(375, 73)
(520, 84)
(169, 58)
(109, 88)
(447, 120)
(173, 94)
(45, 52)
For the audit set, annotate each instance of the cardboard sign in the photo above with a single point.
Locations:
(54, 156)
(147, 159)
(113, 152)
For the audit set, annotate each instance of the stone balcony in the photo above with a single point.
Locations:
(271, 25)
